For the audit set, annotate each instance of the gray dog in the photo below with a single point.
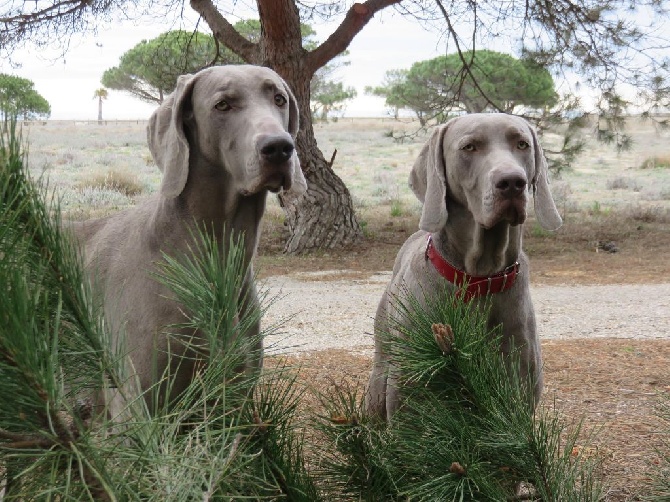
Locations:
(223, 139)
(473, 177)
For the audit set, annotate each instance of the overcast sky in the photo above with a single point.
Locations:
(389, 41)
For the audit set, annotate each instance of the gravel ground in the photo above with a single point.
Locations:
(320, 311)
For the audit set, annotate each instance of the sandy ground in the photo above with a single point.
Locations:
(331, 310)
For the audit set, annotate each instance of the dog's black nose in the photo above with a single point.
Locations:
(511, 185)
(277, 150)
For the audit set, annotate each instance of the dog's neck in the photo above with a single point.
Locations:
(476, 250)
(232, 213)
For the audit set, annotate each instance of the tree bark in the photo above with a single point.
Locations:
(324, 217)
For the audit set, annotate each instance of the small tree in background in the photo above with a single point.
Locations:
(489, 81)
(19, 99)
(329, 96)
(149, 71)
(101, 95)
(326, 94)
(399, 92)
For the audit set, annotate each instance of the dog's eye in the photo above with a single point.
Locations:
(522, 145)
(222, 106)
(280, 100)
(469, 148)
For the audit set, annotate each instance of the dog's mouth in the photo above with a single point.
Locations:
(515, 212)
(512, 212)
(514, 216)
(275, 182)
(272, 183)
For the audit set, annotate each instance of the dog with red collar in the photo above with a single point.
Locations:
(474, 177)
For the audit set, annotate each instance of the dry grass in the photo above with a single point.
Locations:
(623, 183)
(76, 158)
(369, 161)
(120, 181)
(648, 214)
(656, 162)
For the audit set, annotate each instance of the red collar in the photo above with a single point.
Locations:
(471, 285)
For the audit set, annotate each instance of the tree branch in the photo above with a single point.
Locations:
(278, 17)
(357, 17)
(466, 64)
(225, 32)
(50, 13)
(332, 158)
(19, 24)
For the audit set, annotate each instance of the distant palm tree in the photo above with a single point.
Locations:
(101, 94)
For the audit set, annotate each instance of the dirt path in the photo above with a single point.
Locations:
(329, 310)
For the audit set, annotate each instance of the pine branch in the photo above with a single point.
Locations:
(466, 429)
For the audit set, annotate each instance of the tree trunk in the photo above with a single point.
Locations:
(324, 216)
(99, 109)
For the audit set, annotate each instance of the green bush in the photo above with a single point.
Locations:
(465, 430)
(396, 208)
(225, 438)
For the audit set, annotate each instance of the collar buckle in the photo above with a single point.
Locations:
(512, 269)
(429, 243)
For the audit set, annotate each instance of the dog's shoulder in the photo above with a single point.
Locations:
(118, 226)
(85, 231)
(411, 268)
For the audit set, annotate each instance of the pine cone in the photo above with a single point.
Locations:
(457, 468)
(444, 337)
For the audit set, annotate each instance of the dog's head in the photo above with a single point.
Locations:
(487, 164)
(238, 121)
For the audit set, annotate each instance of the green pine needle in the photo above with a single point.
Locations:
(465, 429)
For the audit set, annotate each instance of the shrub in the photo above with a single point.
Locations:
(396, 208)
(659, 161)
(648, 214)
(597, 209)
(623, 183)
(658, 193)
(465, 430)
(119, 181)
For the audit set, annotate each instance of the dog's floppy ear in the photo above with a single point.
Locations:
(294, 114)
(428, 182)
(545, 208)
(167, 141)
(298, 182)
